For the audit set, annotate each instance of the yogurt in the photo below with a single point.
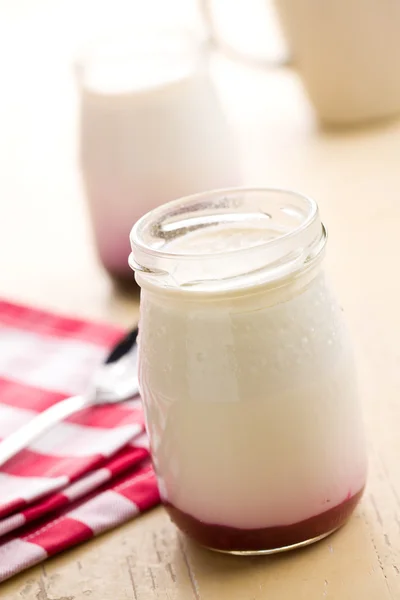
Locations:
(152, 128)
(251, 403)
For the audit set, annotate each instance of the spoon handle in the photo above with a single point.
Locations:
(22, 437)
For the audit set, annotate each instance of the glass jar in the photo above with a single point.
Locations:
(152, 128)
(246, 371)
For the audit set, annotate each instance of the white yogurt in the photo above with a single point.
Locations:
(252, 408)
(250, 393)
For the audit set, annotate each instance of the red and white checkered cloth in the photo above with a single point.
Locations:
(90, 472)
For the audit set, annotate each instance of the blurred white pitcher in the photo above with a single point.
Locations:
(151, 130)
(347, 53)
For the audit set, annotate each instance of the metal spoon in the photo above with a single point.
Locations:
(115, 381)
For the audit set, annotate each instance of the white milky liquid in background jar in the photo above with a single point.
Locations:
(246, 371)
(152, 128)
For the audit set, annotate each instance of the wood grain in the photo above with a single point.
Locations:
(47, 258)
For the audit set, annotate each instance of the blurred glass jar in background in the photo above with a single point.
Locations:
(152, 128)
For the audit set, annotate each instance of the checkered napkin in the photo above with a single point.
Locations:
(89, 473)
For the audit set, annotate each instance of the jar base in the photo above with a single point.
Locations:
(265, 540)
(297, 546)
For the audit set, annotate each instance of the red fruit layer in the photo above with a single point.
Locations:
(222, 537)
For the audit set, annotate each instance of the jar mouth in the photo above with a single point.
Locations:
(223, 237)
(124, 63)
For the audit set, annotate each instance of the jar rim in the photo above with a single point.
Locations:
(301, 237)
(125, 55)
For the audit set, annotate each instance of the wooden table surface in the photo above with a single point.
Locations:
(47, 258)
